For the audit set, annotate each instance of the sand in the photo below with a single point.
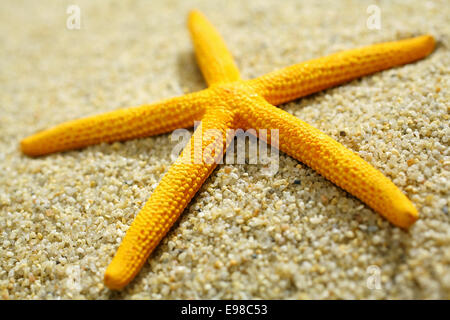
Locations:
(292, 236)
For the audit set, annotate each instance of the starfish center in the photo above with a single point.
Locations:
(233, 94)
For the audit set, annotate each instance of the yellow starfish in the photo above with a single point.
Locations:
(231, 103)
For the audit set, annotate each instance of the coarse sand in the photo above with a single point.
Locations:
(245, 235)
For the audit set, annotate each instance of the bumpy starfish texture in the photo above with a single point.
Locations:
(231, 103)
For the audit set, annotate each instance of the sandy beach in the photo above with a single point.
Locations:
(244, 235)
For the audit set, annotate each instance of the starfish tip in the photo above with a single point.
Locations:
(406, 215)
(26, 146)
(430, 43)
(113, 279)
(194, 13)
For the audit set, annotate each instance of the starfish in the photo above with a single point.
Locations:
(230, 102)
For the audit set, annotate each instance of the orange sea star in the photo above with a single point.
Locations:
(231, 103)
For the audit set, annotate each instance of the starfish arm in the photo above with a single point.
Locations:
(170, 197)
(333, 161)
(314, 75)
(119, 125)
(213, 57)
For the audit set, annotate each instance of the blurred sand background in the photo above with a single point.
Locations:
(293, 236)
